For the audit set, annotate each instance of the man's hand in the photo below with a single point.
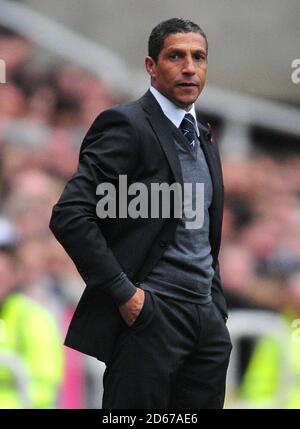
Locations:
(131, 309)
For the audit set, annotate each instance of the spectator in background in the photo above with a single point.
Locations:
(238, 273)
(30, 334)
(272, 379)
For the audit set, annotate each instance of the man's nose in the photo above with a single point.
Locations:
(189, 66)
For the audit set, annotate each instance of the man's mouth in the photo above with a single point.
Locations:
(186, 84)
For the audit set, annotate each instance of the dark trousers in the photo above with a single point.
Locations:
(175, 355)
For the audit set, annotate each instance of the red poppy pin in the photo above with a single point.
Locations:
(209, 135)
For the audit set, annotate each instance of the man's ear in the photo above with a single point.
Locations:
(150, 67)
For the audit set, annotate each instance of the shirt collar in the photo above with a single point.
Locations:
(173, 112)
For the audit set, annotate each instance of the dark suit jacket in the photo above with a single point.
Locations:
(135, 139)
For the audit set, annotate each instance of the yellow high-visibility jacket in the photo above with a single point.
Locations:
(272, 379)
(29, 331)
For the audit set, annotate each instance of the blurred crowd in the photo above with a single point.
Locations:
(44, 114)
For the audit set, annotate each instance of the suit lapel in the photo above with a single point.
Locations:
(212, 160)
(214, 165)
(162, 127)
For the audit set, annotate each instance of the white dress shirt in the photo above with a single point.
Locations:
(173, 112)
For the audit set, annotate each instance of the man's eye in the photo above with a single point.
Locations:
(200, 57)
(174, 56)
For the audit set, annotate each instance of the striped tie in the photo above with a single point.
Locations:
(187, 127)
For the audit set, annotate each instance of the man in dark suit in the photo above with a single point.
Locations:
(153, 308)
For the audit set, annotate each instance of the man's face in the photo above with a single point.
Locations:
(180, 71)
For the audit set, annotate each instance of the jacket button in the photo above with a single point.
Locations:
(163, 243)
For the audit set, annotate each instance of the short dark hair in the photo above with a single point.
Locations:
(170, 26)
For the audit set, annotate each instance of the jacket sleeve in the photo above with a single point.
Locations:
(108, 150)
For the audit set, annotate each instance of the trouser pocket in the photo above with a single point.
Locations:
(146, 314)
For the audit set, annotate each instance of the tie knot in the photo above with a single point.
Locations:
(188, 122)
(188, 129)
